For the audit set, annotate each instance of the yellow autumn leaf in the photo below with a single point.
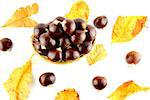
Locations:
(68, 94)
(17, 84)
(80, 9)
(126, 89)
(98, 52)
(127, 27)
(21, 17)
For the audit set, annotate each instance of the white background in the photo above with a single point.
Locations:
(79, 74)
